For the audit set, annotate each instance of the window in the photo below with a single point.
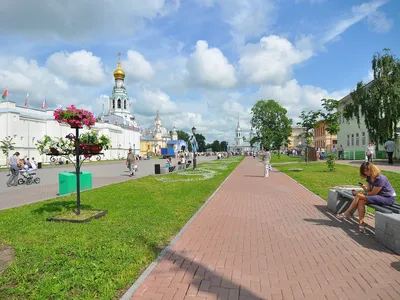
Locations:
(124, 104)
(352, 139)
(363, 138)
(119, 103)
(357, 140)
(348, 140)
(113, 103)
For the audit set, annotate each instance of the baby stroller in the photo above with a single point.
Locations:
(28, 177)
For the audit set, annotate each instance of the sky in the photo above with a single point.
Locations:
(201, 63)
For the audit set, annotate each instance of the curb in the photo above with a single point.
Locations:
(129, 293)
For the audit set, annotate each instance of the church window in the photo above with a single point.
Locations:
(113, 103)
(119, 103)
(124, 104)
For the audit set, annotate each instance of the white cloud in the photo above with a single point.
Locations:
(358, 13)
(75, 19)
(148, 101)
(247, 18)
(379, 22)
(272, 59)
(209, 67)
(137, 67)
(23, 76)
(80, 66)
(295, 97)
(369, 77)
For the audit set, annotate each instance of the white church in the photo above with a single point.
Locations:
(241, 143)
(28, 125)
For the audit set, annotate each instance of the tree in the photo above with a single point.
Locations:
(271, 124)
(331, 116)
(7, 145)
(379, 101)
(309, 123)
(201, 142)
(182, 135)
(216, 146)
(223, 146)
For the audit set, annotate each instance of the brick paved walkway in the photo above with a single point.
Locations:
(269, 238)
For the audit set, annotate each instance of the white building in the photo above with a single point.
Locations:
(355, 138)
(242, 145)
(28, 125)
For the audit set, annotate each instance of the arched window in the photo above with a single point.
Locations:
(114, 103)
(119, 103)
(124, 104)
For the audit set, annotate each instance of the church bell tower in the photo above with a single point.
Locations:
(119, 102)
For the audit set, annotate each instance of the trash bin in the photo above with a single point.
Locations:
(157, 169)
(39, 165)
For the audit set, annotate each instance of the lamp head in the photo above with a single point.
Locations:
(194, 130)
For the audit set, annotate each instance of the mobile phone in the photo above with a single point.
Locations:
(360, 183)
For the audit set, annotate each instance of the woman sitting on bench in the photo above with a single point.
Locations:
(378, 191)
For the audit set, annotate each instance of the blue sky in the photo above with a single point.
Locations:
(200, 62)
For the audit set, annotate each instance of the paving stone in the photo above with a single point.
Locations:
(270, 238)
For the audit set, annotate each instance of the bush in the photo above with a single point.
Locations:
(331, 161)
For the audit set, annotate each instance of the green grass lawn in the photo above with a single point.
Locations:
(275, 159)
(102, 258)
(318, 179)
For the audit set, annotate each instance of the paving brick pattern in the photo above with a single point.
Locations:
(270, 238)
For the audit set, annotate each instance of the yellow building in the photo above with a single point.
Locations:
(296, 139)
(155, 138)
(323, 139)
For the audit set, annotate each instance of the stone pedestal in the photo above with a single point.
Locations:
(164, 170)
(387, 230)
(180, 167)
(338, 204)
(67, 182)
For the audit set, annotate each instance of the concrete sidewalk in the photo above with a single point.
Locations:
(270, 238)
(382, 164)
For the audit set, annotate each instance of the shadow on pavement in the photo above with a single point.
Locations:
(202, 276)
(396, 265)
(350, 227)
(59, 206)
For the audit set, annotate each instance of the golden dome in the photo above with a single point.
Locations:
(119, 73)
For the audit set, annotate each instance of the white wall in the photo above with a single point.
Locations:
(26, 126)
(348, 133)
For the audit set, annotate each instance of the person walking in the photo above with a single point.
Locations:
(369, 153)
(341, 152)
(130, 162)
(389, 147)
(266, 161)
(13, 180)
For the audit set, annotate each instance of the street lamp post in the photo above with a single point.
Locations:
(227, 148)
(194, 147)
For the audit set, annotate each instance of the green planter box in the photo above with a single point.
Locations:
(67, 182)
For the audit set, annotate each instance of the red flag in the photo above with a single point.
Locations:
(26, 100)
(5, 94)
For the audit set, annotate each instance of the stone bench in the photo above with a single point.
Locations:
(387, 218)
(179, 167)
(386, 209)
